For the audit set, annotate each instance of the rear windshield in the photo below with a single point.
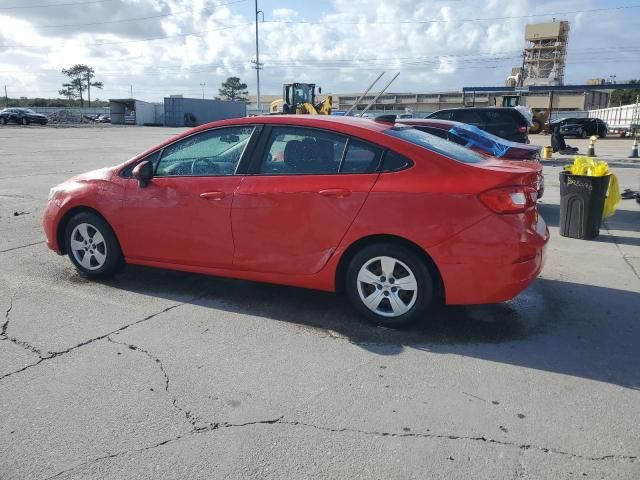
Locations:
(435, 144)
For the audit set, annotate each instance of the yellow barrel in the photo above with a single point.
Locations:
(547, 153)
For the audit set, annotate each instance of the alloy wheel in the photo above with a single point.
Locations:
(387, 286)
(88, 246)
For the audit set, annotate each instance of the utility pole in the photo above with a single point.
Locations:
(203, 85)
(89, 87)
(257, 61)
(131, 90)
(6, 97)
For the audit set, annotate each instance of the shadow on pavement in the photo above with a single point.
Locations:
(561, 327)
(626, 220)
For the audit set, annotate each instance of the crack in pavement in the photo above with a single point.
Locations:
(484, 439)
(51, 355)
(197, 430)
(280, 421)
(191, 418)
(624, 256)
(5, 325)
(14, 340)
(21, 246)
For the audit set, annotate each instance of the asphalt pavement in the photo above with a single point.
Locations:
(159, 374)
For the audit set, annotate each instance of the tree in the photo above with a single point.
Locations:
(233, 89)
(67, 91)
(80, 77)
(625, 97)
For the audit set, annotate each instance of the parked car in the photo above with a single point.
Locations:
(482, 142)
(507, 123)
(396, 218)
(24, 116)
(583, 127)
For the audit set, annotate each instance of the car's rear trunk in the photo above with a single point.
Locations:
(513, 172)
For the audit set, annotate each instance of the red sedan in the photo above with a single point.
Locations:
(396, 218)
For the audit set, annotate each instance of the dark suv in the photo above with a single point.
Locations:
(24, 116)
(581, 127)
(504, 122)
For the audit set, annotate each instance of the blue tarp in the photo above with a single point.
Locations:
(476, 137)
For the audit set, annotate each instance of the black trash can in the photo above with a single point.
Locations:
(581, 203)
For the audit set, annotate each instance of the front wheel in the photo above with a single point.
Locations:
(583, 134)
(92, 246)
(390, 285)
(25, 121)
(3, 121)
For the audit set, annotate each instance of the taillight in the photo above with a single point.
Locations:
(516, 199)
(523, 129)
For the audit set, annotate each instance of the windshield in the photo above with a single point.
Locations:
(435, 144)
(26, 110)
(478, 138)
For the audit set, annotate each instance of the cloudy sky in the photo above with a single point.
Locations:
(163, 47)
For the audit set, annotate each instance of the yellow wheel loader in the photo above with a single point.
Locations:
(300, 99)
(540, 115)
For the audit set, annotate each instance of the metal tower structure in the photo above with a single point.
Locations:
(545, 53)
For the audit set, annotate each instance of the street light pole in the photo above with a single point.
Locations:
(612, 79)
(257, 62)
(203, 85)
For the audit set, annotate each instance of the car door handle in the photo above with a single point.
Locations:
(335, 192)
(213, 195)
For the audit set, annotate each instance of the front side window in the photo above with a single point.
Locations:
(299, 151)
(441, 115)
(211, 153)
(435, 144)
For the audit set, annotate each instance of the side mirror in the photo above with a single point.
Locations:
(143, 173)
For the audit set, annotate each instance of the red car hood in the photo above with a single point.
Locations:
(99, 174)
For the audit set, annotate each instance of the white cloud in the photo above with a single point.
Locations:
(355, 40)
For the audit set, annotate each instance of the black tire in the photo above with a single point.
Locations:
(3, 121)
(583, 133)
(114, 260)
(425, 294)
(603, 134)
(25, 121)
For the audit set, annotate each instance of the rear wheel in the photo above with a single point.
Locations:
(92, 246)
(583, 133)
(603, 134)
(389, 284)
(3, 121)
(25, 121)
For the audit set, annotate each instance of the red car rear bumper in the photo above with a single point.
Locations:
(495, 260)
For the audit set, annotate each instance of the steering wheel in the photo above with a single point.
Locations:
(204, 166)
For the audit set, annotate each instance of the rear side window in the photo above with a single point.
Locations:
(467, 116)
(435, 144)
(301, 151)
(360, 158)
(394, 161)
